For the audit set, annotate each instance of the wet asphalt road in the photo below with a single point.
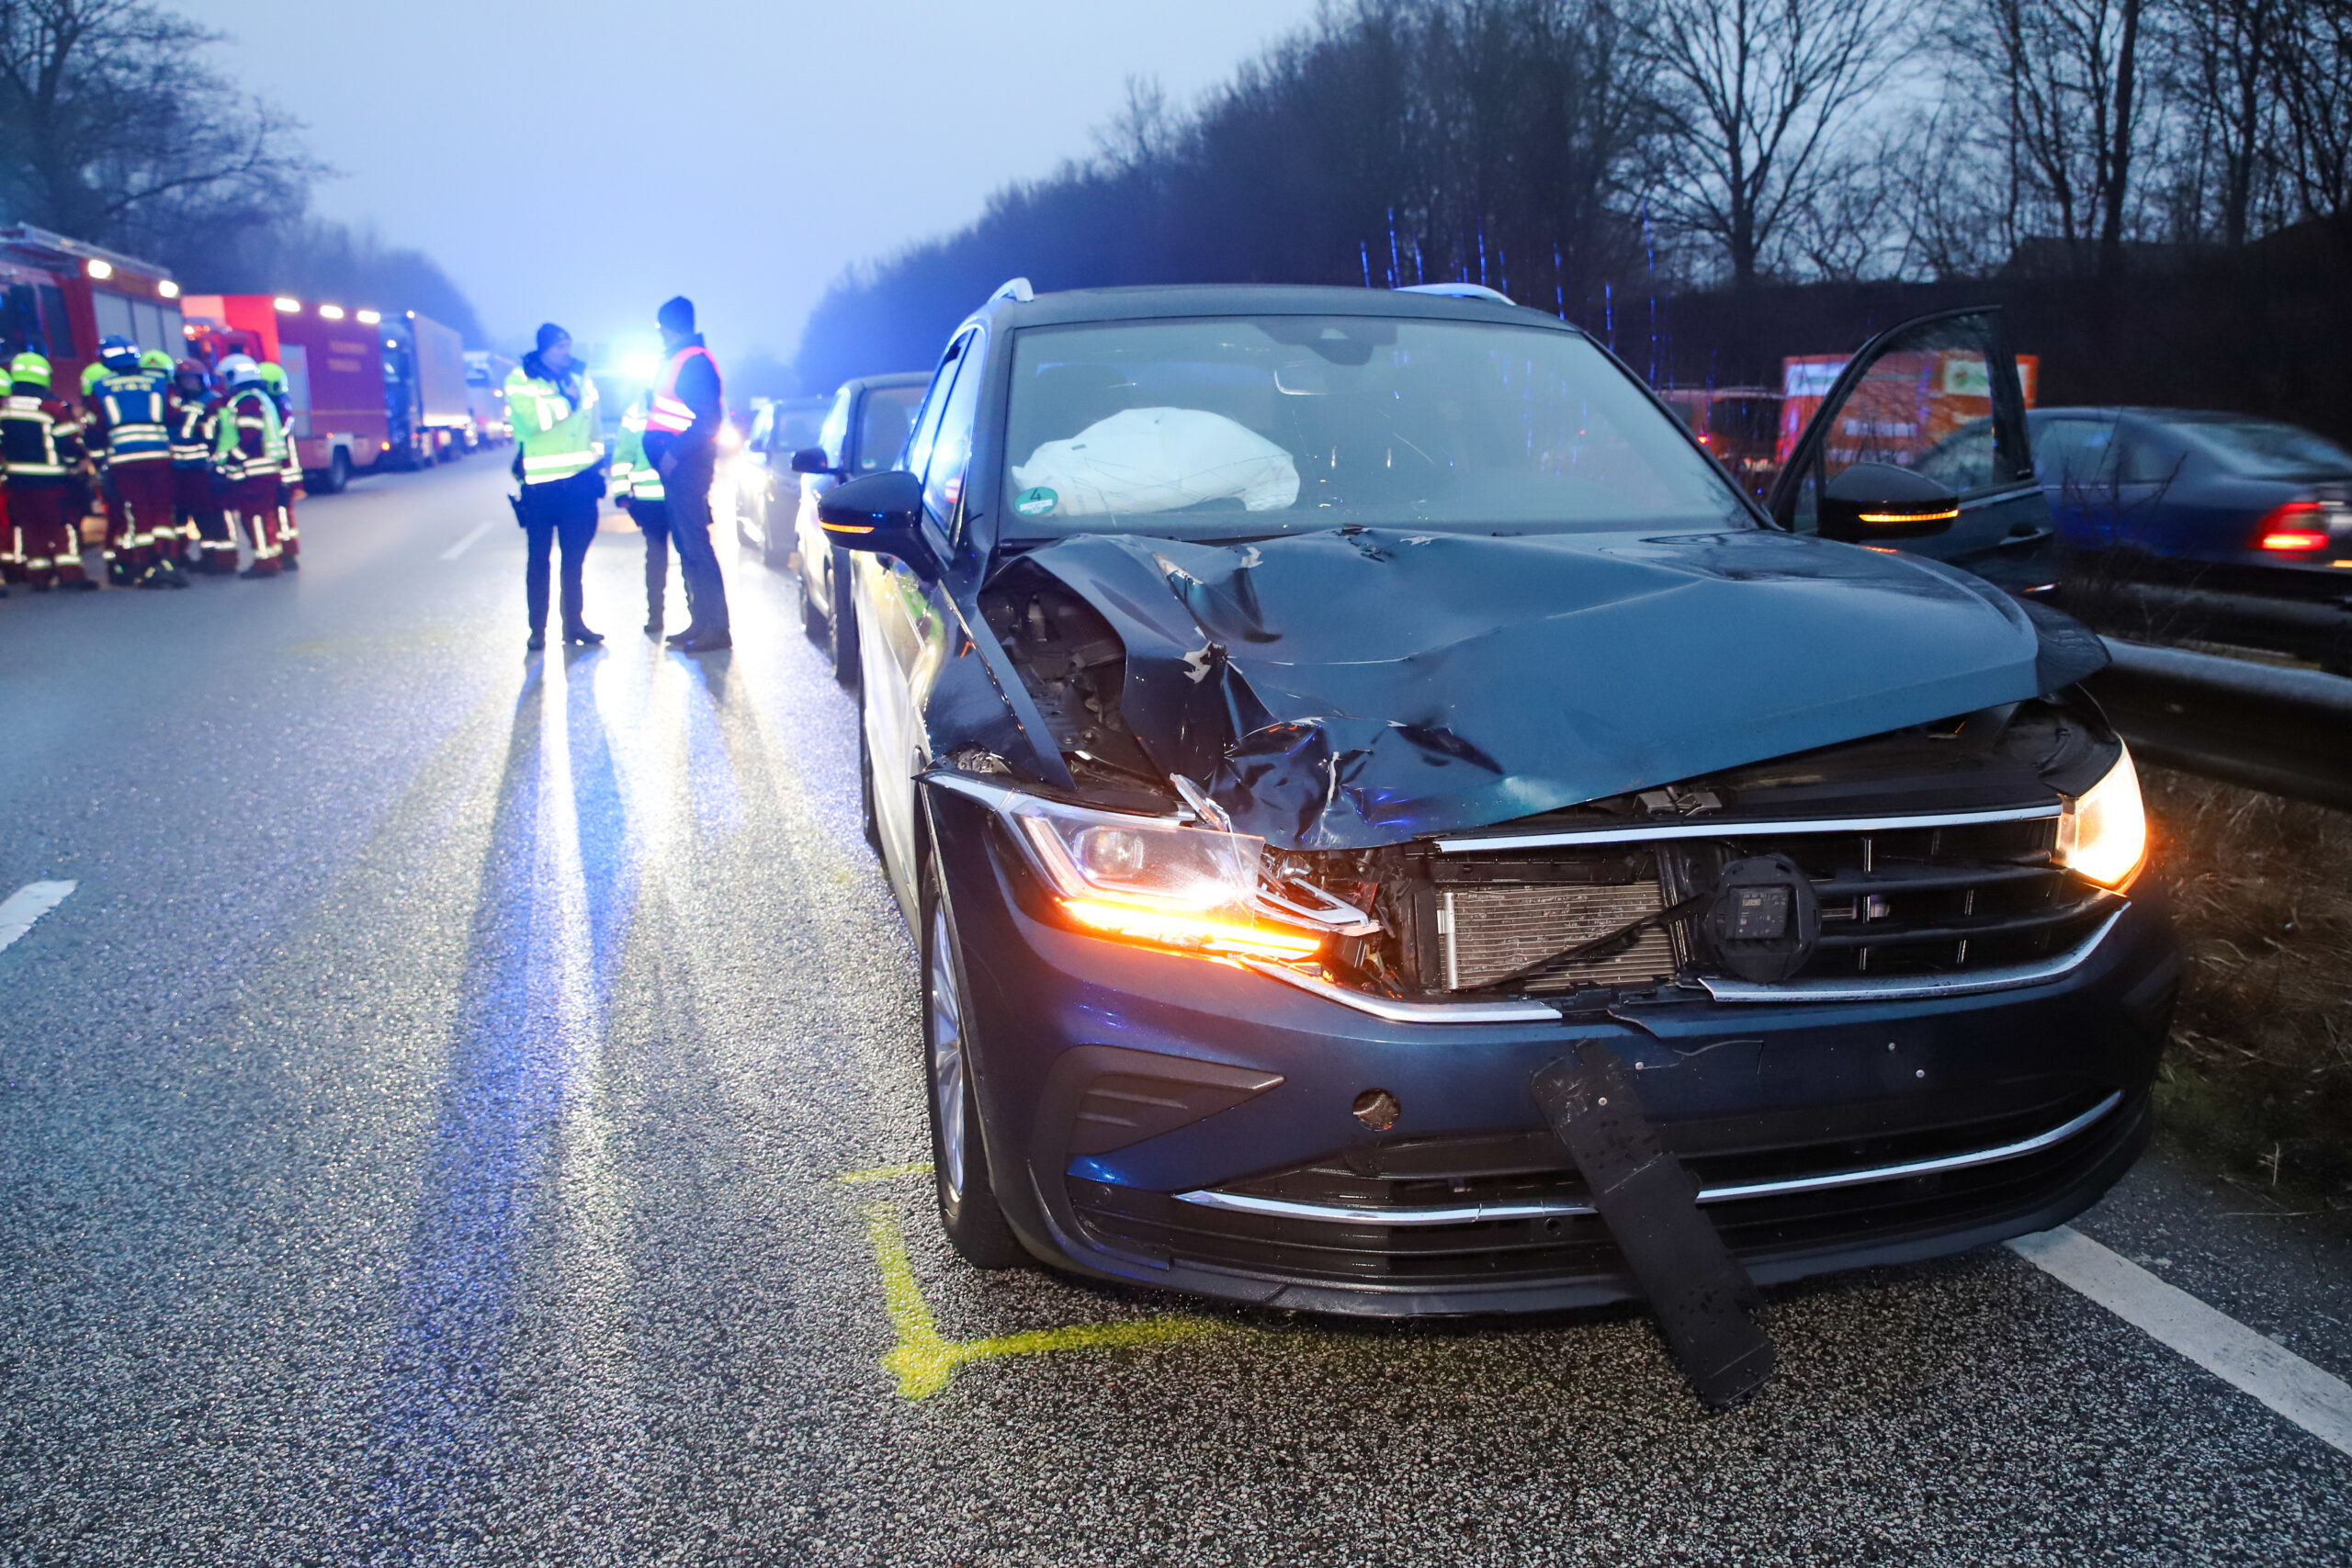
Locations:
(419, 1135)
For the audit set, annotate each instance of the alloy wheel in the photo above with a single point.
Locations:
(946, 1055)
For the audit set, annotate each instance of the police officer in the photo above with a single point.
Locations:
(244, 453)
(41, 442)
(637, 490)
(559, 460)
(289, 466)
(681, 439)
(195, 506)
(126, 432)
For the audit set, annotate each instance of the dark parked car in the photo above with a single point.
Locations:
(864, 429)
(2237, 502)
(758, 480)
(1307, 728)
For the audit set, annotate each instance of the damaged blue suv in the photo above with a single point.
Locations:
(1392, 829)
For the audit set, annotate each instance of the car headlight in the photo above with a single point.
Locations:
(2103, 835)
(1157, 881)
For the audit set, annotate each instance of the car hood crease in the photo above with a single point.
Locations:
(1359, 687)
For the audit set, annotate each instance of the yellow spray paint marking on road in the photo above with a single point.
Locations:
(884, 1173)
(923, 1361)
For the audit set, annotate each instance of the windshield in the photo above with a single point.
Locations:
(1247, 427)
(2263, 449)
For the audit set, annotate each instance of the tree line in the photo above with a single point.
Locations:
(115, 129)
(1587, 155)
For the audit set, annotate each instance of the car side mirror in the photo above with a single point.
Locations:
(812, 460)
(1871, 501)
(882, 513)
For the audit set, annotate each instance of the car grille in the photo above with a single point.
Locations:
(1896, 899)
(1530, 1170)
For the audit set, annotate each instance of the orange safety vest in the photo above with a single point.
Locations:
(666, 413)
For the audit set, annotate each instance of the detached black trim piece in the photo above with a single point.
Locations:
(1704, 1301)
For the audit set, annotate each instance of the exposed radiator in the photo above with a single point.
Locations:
(1490, 931)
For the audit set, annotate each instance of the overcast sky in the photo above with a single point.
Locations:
(582, 161)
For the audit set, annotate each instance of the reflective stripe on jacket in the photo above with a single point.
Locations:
(557, 438)
(128, 407)
(39, 438)
(669, 414)
(191, 430)
(632, 475)
(244, 444)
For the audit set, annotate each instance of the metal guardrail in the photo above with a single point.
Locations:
(2317, 629)
(2286, 731)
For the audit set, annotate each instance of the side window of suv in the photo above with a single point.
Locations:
(951, 450)
(935, 403)
(833, 436)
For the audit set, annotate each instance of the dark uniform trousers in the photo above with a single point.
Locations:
(252, 502)
(688, 492)
(142, 496)
(652, 519)
(558, 511)
(47, 525)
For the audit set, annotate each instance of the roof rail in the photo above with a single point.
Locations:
(1017, 290)
(1459, 291)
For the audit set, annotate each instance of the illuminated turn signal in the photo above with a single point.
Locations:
(846, 527)
(1910, 516)
(1190, 933)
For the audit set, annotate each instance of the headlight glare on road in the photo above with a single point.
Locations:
(1155, 880)
(2104, 834)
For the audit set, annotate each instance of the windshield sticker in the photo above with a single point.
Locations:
(1035, 502)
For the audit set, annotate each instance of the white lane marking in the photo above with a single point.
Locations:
(2318, 1402)
(29, 904)
(462, 545)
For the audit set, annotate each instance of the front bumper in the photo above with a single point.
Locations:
(1742, 1092)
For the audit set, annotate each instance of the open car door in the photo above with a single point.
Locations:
(1938, 398)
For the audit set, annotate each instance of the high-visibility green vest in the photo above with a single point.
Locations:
(248, 407)
(632, 476)
(558, 439)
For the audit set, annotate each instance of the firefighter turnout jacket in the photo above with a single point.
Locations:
(555, 420)
(247, 436)
(39, 438)
(633, 477)
(128, 417)
(190, 422)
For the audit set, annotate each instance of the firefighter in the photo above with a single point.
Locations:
(244, 453)
(196, 504)
(637, 490)
(289, 466)
(173, 536)
(681, 439)
(42, 442)
(560, 461)
(128, 436)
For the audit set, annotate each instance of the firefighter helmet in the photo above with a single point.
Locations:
(154, 359)
(29, 366)
(239, 368)
(274, 375)
(118, 352)
(92, 373)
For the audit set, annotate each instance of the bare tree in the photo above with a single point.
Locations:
(1753, 95)
(2315, 85)
(112, 128)
(2069, 73)
(2227, 65)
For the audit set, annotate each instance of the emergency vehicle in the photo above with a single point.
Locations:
(58, 296)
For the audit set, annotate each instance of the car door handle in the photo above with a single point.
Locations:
(2017, 541)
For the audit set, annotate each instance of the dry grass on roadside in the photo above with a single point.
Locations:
(2259, 1074)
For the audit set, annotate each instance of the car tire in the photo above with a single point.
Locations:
(813, 624)
(844, 628)
(968, 1211)
(333, 478)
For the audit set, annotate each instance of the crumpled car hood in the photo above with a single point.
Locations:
(1362, 687)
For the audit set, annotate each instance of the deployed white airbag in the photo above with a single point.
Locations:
(1157, 460)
